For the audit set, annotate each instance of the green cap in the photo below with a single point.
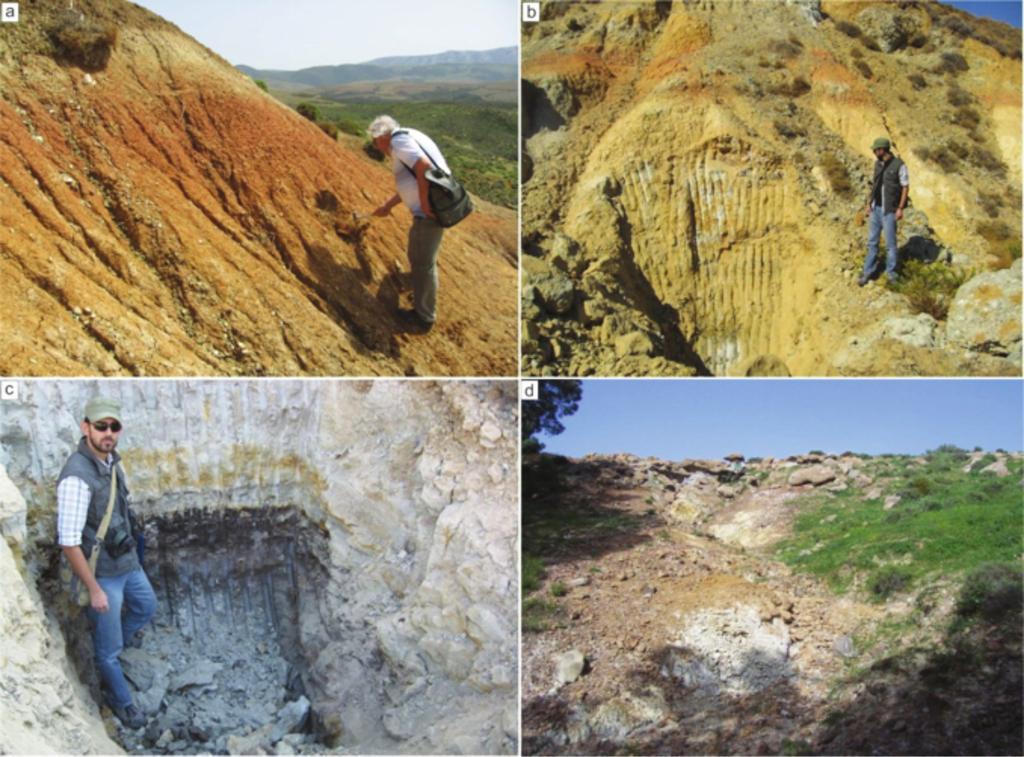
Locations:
(881, 142)
(99, 408)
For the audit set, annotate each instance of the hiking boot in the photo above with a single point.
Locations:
(130, 717)
(862, 281)
(411, 317)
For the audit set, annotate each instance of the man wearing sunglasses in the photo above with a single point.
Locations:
(120, 597)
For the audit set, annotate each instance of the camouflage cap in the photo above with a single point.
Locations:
(99, 408)
(882, 142)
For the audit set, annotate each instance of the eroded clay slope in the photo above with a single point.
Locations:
(694, 169)
(160, 215)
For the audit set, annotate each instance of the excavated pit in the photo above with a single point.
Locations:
(222, 666)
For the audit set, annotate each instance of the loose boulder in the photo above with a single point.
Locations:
(816, 475)
(986, 314)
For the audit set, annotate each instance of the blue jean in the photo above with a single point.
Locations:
(133, 594)
(876, 224)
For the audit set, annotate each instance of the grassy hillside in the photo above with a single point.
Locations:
(478, 140)
(946, 522)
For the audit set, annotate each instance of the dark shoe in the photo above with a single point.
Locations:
(130, 717)
(862, 281)
(411, 317)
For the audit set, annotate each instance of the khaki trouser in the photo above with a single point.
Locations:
(424, 243)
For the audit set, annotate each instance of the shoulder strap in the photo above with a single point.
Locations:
(422, 148)
(104, 523)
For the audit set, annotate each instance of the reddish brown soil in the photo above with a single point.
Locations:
(163, 216)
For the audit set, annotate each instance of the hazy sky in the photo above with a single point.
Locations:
(702, 418)
(293, 34)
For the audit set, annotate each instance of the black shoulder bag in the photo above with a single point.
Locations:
(448, 198)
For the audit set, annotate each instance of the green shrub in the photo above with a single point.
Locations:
(888, 580)
(966, 117)
(790, 87)
(958, 454)
(930, 287)
(837, 174)
(957, 26)
(918, 40)
(870, 44)
(786, 49)
(921, 486)
(329, 129)
(990, 203)
(789, 129)
(558, 589)
(957, 97)
(261, 84)
(982, 157)
(308, 110)
(951, 63)
(850, 30)
(83, 42)
(864, 69)
(992, 591)
(918, 82)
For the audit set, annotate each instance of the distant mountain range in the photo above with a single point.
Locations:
(508, 55)
(500, 64)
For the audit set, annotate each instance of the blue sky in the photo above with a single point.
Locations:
(700, 418)
(1007, 11)
(293, 34)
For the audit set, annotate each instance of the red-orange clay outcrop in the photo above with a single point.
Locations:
(161, 215)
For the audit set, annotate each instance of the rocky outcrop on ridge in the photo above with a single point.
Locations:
(397, 502)
(161, 215)
(693, 173)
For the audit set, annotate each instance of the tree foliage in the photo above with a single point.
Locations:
(555, 400)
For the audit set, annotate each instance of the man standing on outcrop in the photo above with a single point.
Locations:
(412, 154)
(83, 501)
(885, 207)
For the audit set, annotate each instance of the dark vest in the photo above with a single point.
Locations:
(83, 465)
(886, 188)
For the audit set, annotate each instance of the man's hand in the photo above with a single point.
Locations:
(899, 214)
(98, 600)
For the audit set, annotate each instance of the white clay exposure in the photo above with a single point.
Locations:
(334, 564)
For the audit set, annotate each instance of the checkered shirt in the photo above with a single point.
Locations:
(73, 498)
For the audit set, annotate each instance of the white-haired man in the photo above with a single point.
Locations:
(412, 153)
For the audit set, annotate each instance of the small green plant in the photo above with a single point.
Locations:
(864, 69)
(261, 84)
(917, 81)
(789, 129)
(795, 87)
(850, 30)
(951, 63)
(328, 128)
(533, 569)
(921, 486)
(649, 501)
(558, 589)
(888, 581)
(930, 287)
(958, 97)
(538, 614)
(308, 110)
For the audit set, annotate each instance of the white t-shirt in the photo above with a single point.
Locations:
(407, 147)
